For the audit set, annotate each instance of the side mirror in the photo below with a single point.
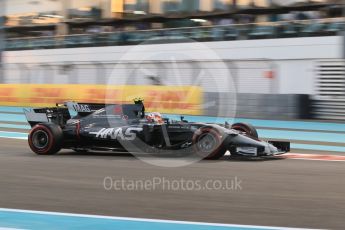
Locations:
(183, 120)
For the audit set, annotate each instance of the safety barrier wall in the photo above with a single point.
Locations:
(189, 100)
(167, 99)
(260, 106)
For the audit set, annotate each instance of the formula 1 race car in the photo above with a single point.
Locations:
(85, 127)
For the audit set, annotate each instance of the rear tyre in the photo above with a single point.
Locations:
(249, 129)
(208, 144)
(46, 139)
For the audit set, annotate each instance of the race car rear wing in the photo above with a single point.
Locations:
(63, 112)
(32, 117)
(56, 115)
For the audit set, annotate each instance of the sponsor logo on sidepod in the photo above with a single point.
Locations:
(129, 135)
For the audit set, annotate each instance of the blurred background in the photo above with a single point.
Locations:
(285, 57)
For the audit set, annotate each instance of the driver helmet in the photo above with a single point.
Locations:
(155, 117)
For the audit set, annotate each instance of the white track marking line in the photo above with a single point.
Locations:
(147, 220)
(13, 132)
(10, 228)
(18, 138)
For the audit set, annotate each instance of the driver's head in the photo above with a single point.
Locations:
(155, 117)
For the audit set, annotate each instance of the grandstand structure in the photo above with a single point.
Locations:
(231, 32)
(24, 18)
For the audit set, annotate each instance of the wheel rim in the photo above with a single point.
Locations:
(40, 139)
(207, 143)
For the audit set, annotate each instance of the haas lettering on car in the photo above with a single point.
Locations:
(82, 108)
(78, 107)
(129, 135)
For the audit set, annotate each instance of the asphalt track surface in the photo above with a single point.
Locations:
(280, 192)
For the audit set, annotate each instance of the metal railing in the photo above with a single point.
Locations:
(281, 29)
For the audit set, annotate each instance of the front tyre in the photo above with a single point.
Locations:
(246, 128)
(208, 144)
(46, 139)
